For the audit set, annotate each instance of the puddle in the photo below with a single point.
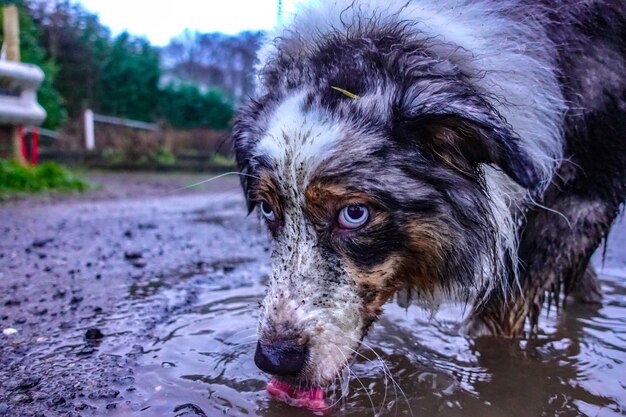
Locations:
(202, 362)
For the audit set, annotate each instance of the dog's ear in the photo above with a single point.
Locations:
(464, 133)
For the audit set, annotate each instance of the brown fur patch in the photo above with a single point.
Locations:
(375, 286)
(418, 267)
(267, 190)
(325, 200)
(421, 268)
(456, 144)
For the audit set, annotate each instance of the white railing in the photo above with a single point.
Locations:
(90, 118)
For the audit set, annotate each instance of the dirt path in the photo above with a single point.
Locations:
(68, 262)
(84, 280)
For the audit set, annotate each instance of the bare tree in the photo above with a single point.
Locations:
(212, 60)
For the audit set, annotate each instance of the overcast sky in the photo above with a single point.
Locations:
(161, 20)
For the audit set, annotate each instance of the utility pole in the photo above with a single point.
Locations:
(280, 12)
(11, 26)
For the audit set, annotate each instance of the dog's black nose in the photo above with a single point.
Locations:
(282, 358)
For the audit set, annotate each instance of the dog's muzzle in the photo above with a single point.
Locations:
(281, 358)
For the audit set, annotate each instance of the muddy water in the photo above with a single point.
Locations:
(413, 364)
(172, 282)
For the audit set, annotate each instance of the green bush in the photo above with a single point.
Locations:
(221, 161)
(162, 156)
(114, 156)
(15, 178)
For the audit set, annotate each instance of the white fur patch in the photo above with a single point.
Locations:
(297, 141)
(503, 46)
(501, 43)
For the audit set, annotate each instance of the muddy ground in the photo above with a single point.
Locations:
(80, 273)
(69, 264)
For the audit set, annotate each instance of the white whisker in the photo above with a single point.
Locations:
(387, 372)
(213, 179)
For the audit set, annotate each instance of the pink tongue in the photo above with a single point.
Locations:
(311, 398)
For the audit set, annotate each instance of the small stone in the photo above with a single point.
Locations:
(189, 410)
(104, 394)
(132, 254)
(139, 263)
(22, 398)
(28, 383)
(55, 401)
(40, 243)
(87, 350)
(4, 408)
(83, 406)
(76, 299)
(9, 331)
(39, 311)
(93, 334)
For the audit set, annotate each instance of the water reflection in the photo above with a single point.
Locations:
(412, 364)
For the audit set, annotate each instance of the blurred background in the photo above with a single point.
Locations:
(138, 84)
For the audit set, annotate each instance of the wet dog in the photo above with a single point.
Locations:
(466, 150)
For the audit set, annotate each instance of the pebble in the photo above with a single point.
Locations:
(139, 263)
(56, 401)
(76, 299)
(190, 410)
(103, 394)
(29, 382)
(87, 350)
(93, 334)
(132, 254)
(9, 331)
(39, 311)
(40, 243)
(22, 398)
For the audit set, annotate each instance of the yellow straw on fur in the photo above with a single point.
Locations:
(346, 92)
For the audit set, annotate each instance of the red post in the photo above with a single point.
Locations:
(34, 146)
(20, 135)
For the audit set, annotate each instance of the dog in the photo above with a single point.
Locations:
(466, 150)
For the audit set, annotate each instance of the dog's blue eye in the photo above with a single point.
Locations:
(352, 217)
(267, 212)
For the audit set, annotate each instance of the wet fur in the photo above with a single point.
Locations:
(487, 142)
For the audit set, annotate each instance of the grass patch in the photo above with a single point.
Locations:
(17, 179)
(221, 161)
(163, 157)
